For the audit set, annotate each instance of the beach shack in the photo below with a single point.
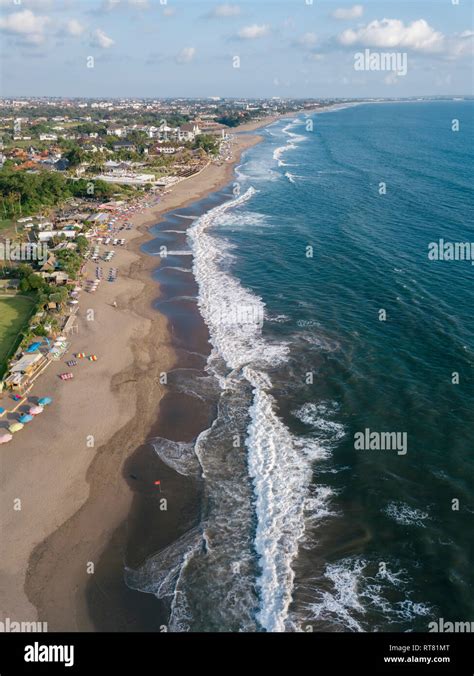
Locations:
(23, 372)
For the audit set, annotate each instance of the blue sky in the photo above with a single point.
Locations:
(288, 48)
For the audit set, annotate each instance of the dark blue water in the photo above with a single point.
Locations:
(327, 318)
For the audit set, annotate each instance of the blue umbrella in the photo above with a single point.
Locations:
(44, 401)
(26, 418)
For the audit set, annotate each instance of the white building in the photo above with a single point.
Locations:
(116, 131)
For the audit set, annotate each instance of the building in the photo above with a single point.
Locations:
(168, 150)
(188, 132)
(23, 372)
(48, 235)
(124, 145)
(115, 130)
(127, 178)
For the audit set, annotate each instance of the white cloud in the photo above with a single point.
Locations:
(74, 27)
(389, 33)
(307, 40)
(108, 5)
(28, 26)
(461, 45)
(100, 39)
(354, 12)
(254, 31)
(186, 55)
(225, 10)
(316, 56)
(38, 4)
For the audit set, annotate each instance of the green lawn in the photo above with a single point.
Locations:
(14, 315)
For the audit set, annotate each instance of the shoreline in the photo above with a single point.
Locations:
(90, 514)
(76, 500)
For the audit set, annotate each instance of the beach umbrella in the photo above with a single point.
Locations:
(44, 401)
(93, 357)
(80, 355)
(26, 418)
(5, 437)
(36, 410)
(16, 427)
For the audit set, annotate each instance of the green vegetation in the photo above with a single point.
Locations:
(207, 143)
(23, 194)
(32, 283)
(5, 224)
(15, 313)
(75, 156)
(70, 262)
(233, 120)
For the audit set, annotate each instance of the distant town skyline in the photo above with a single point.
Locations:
(291, 49)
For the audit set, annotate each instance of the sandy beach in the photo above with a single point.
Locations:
(74, 497)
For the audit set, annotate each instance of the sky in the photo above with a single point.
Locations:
(251, 48)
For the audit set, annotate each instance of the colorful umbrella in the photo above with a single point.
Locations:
(44, 401)
(16, 427)
(93, 357)
(36, 410)
(5, 438)
(26, 418)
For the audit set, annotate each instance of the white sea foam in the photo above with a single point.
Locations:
(243, 219)
(347, 592)
(238, 342)
(406, 515)
(281, 471)
(172, 253)
(316, 416)
(180, 613)
(278, 319)
(160, 573)
(341, 603)
(291, 144)
(279, 463)
(177, 454)
(175, 267)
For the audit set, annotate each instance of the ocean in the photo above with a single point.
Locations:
(308, 311)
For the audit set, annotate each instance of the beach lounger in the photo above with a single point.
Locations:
(71, 362)
(66, 376)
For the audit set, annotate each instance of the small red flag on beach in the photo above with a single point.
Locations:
(157, 483)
